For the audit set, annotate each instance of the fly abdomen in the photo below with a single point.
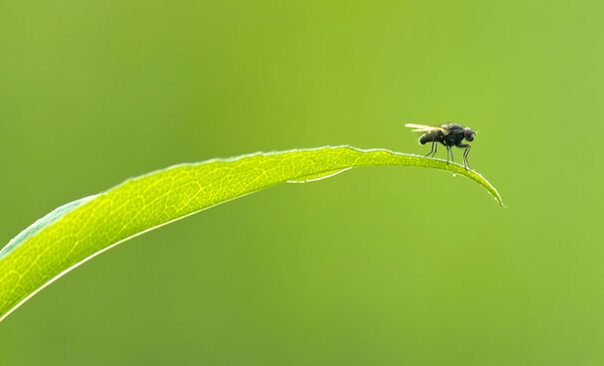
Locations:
(431, 136)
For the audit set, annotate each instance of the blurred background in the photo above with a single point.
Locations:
(378, 266)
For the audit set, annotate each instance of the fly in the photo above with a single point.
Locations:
(449, 135)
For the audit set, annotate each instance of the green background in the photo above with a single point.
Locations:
(378, 266)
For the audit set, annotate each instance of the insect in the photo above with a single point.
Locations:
(449, 135)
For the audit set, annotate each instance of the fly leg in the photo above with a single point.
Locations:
(435, 144)
(467, 147)
(431, 150)
(449, 152)
(466, 152)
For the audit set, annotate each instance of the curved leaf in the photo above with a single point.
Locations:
(77, 231)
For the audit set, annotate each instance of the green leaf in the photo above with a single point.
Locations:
(77, 231)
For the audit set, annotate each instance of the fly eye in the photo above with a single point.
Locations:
(468, 134)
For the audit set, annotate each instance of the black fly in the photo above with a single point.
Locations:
(449, 135)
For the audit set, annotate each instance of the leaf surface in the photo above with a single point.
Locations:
(80, 230)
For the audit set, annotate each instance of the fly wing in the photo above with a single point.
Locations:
(424, 128)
